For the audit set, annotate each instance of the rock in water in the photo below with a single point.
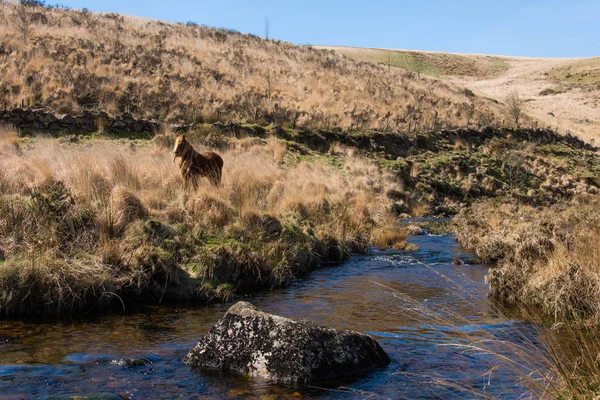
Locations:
(252, 342)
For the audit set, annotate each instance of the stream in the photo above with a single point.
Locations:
(430, 317)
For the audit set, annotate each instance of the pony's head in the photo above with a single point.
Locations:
(180, 145)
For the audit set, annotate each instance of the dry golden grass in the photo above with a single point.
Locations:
(66, 287)
(254, 179)
(419, 208)
(76, 60)
(390, 236)
(548, 257)
(9, 139)
(121, 207)
(125, 208)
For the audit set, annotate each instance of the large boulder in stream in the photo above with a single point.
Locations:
(249, 341)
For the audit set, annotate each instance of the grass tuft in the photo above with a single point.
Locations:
(385, 237)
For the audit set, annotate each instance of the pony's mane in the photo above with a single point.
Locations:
(188, 150)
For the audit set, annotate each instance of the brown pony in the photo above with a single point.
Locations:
(194, 165)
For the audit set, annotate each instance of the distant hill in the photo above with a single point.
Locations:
(428, 63)
(69, 61)
(562, 94)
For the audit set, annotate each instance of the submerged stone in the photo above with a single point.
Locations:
(249, 341)
(131, 362)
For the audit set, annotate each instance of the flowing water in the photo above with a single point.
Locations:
(417, 305)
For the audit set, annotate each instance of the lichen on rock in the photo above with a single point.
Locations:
(249, 341)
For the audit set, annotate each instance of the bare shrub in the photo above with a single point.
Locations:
(515, 105)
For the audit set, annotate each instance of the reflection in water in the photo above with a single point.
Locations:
(418, 306)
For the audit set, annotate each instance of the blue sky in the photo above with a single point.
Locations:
(521, 28)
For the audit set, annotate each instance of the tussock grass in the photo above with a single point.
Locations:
(48, 284)
(548, 258)
(91, 223)
(125, 208)
(386, 237)
(548, 266)
(9, 139)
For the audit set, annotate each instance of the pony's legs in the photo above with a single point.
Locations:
(215, 177)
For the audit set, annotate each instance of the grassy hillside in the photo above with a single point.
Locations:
(583, 73)
(428, 63)
(70, 61)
